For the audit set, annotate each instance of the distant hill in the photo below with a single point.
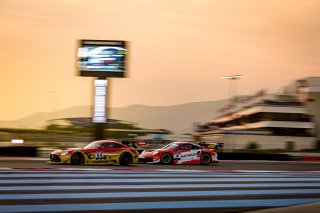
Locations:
(177, 118)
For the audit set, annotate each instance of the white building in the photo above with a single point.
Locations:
(287, 121)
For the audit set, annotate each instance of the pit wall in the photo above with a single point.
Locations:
(264, 142)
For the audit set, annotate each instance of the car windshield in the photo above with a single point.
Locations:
(171, 146)
(93, 145)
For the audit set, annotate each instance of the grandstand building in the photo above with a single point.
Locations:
(289, 120)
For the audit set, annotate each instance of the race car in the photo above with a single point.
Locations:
(183, 153)
(97, 152)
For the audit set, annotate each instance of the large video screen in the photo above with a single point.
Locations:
(102, 58)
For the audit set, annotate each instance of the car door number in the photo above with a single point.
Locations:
(99, 156)
(177, 156)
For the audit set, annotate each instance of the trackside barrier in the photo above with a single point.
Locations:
(305, 156)
(310, 158)
(265, 156)
(23, 151)
(28, 151)
(252, 156)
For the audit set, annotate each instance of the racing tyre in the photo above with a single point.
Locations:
(77, 159)
(205, 159)
(166, 158)
(125, 159)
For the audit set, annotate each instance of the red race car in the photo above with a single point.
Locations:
(183, 153)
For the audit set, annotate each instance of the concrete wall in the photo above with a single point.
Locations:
(234, 141)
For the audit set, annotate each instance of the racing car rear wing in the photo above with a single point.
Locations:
(213, 146)
(136, 144)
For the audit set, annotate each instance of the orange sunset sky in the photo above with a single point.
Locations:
(179, 49)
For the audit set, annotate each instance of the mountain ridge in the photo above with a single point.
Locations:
(177, 118)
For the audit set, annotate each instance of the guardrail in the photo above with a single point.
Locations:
(23, 151)
(269, 156)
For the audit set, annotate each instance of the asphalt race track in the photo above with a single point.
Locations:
(32, 185)
(13, 162)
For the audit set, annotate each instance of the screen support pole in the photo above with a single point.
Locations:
(100, 107)
(99, 131)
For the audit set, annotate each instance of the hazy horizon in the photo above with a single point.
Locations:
(177, 118)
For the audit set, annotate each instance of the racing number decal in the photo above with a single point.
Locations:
(177, 156)
(99, 156)
(197, 152)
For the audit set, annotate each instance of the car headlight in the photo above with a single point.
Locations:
(90, 155)
(64, 153)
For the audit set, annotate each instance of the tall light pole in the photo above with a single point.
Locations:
(234, 92)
